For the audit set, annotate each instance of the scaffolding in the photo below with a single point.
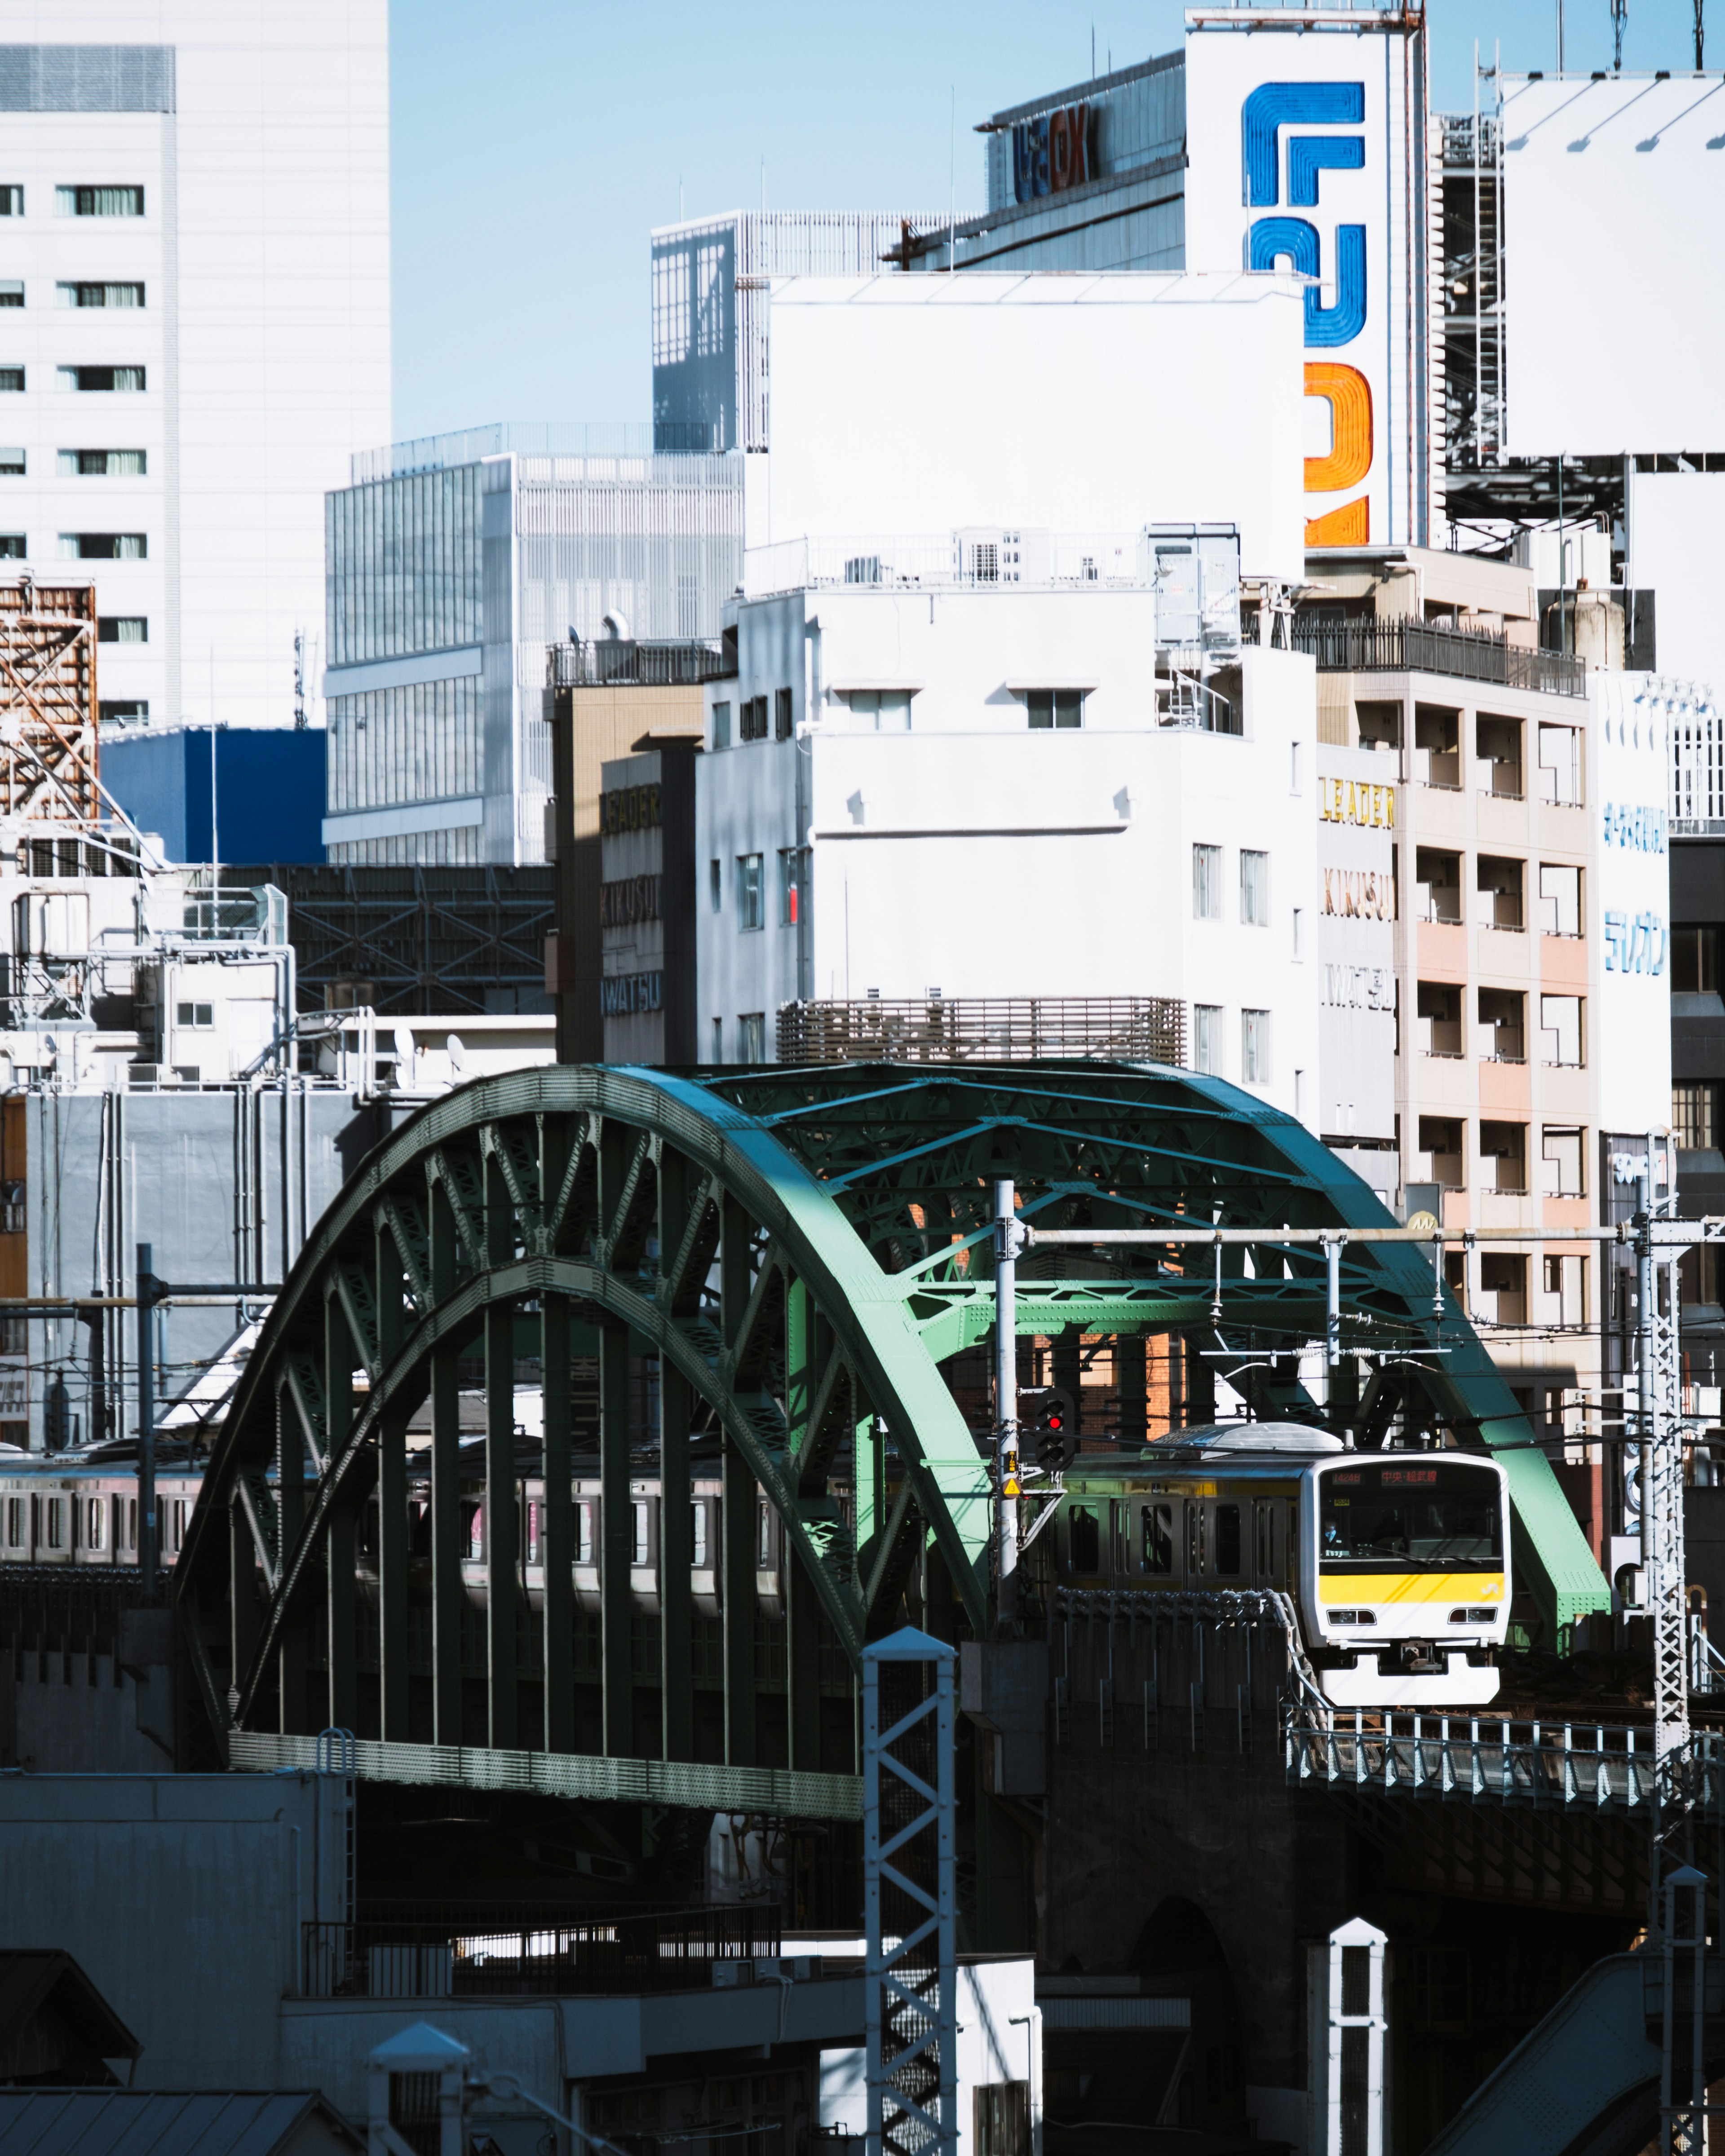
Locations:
(48, 703)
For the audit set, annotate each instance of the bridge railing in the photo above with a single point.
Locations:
(490, 1953)
(1554, 1765)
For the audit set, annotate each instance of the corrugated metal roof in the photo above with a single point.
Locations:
(140, 2122)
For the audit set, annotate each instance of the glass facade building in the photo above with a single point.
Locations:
(448, 574)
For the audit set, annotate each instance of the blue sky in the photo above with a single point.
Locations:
(536, 142)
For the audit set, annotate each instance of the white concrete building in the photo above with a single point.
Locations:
(979, 790)
(194, 324)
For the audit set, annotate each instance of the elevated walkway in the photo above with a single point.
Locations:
(1576, 1768)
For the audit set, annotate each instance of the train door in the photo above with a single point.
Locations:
(1156, 1540)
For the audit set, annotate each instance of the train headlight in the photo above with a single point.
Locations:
(1480, 1614)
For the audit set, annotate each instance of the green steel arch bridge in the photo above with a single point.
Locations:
(751, 1302)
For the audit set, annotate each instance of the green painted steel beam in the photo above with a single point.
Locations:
(784, 1793)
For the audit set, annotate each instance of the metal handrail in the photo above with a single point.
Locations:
(1413, 647)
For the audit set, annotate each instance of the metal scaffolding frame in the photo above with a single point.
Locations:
(48, 703)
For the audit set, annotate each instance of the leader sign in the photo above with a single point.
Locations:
(1307, 153)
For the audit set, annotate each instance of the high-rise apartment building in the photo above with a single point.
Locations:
(194, 326)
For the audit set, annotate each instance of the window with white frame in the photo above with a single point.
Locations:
(721, 726)
(1206, 883)
(1207, 1039)
(78, 292)
(123, 629)
(1254, 888)
(1055, 707)
(99, 202)
(12, 202)
(12, 380)
(129, 381)
(103, 464)
(1254, 1048)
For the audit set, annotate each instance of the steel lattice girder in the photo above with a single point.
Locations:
(844, 1213)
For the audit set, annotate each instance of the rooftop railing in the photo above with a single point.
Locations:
(624, 663)
(482, 1953)
(1417, 647)
(984, 1030)
(534, 437)
(948, 561)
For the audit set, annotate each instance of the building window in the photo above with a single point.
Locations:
(1503, 1035)
(1437, 1007)
(12, 464)
(1559, 899)
(12, 545)
(71, 295)
(750, 912)
(792, 886)
(642, 1552)
(1500, 879)
(752, 719)
(198, 1017)
(123, 629)
(1254, 889)
(12, 379)
(104, 547)
(1695, 962)
(1000, 2118)
(1503, 1156)
(1561, 1037)
(721, 726)
(1560, 765)
(1440, 1143)
(670, 308)
(1254, 1048)
(103, 464)
(13, 1205)
(123, 708)
(1563, 1150)
(879, 710)
(1207, 1039)
(697, 1533)
(99, 202)
(1503, 1288)
(781, 715)
(716, 886)
(11, 292)
(1437, 876)
(1695, 1116)
(751, 1037)
(1299, 931)
(1055, 707)
(583, 1534)
(128, 379)
(12, 202)
(718, 1041)
(1207, 883)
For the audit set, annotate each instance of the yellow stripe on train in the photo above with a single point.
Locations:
(1355, 1588)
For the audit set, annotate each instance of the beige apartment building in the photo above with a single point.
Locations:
(1431, 683)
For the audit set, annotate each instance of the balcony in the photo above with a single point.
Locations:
(1410, 647)
(518, 1951)
(984, 1030)
(624, 663)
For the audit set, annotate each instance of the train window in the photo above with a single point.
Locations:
(1265, 1515)
(56, 1537)
(763, 1535)
(1227, 1541)
(1156, 1532)
(96, 1534)
(132, 1523)
(698, 1533)
(475, 1536)
(1084, 1543)
(643, 1551)
(583, 1534)
(1119, 1535)
(532, 1537)
(15, 1522)
(1194, 1543)
(1441, 1516)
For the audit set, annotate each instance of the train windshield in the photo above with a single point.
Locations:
(1395, 1516)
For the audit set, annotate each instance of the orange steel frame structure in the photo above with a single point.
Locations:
(48, 703)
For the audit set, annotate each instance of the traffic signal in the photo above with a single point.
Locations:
(1048, 1424)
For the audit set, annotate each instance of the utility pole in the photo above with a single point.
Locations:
(1009, 1241)
(148, 1542)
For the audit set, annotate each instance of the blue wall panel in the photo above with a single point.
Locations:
(265, 801)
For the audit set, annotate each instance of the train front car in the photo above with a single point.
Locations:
(1404, 1580)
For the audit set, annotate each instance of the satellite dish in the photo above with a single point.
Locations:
(458, 1053)
(405, 1047)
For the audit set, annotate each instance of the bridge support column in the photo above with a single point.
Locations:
(393, 1722)
(676, 1556)
(289, 1519)
(446, 1587)
(343, 1641)
(736, 1534)
(616, 1543)
(556, 1550)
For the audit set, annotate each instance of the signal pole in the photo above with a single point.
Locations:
(1009, 1241)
